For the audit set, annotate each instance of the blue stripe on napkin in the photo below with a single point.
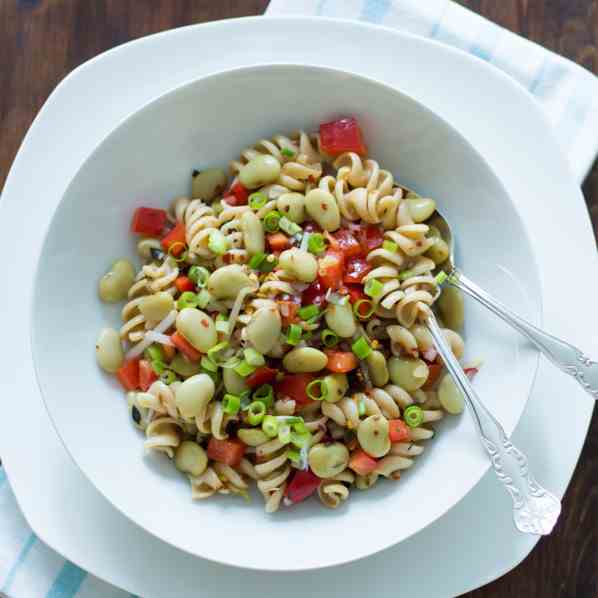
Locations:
(68, 582)
(22, 556)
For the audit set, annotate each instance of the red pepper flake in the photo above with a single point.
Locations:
(324, 206)
(205, 323)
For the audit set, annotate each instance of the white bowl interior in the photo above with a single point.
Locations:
(147, 160)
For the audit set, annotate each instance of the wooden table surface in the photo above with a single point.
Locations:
(43, 40)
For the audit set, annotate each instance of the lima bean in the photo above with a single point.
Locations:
(377, 368)
(183, 367)
(194, 394)
(409, 374)
(322, 207)
(328, 460)
(115, 284)
(373, 435)
(421, 208)
(157, 306)
(303, 360)
(336, 385)
(292, 205)
(233, 383)
(253, 233)
(264, 329)
(451, 306)
(259, 171)
(109, 350)
(190, 458)
(252, 436)
(227, 281)
(340, 319)
(197, 327)
(439, 252)
(208, 184)
(300, 264)
(450, 396)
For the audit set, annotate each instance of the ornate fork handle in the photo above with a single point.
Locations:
(565, 356)
(535, 510)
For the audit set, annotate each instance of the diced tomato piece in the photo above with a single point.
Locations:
(370, 237)
(355, 293)
(147, 376)
(361, 463)
(434, 370)
(303, 485)
(398, 430)
(470, 372)
(263, 375)
(330, 269)
(128, 374)
(347, 243)
(314, 294)
(148, 221)
(356, 269)
(229, 452)
(294, 386)
(185, 347)
(175, 239)
(288, 312)
(240, 193)
(341, 361)
(169, 352)
(278, 241)
(183, 284)
(343, 135)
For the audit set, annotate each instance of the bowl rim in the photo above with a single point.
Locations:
(163, 97)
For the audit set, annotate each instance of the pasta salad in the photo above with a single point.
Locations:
(272, 332)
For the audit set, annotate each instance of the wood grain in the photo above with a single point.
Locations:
(43, 40)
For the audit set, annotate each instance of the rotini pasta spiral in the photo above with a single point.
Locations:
(272, 472)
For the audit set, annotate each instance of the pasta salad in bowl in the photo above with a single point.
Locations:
(273, 329)
(227, 302)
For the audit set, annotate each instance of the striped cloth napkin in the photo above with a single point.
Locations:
(566, 92)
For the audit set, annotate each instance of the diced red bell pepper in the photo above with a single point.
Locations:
(341, 361)
(343, 135)
(355, 293)
(229, 452)
(361, 463)
(148, 221)
(174, 241)
(184, 284)
(330, 269)
(147, 376)
(237, 195)
(128, 374)
(347, 243)
(314, 294)
(288, 312)
(398, 431)
(434, 370)
(370, 237)
(278, 241)
(263, 375)
(356, 269)
(303, 485)
(294, 387)
(185, 347)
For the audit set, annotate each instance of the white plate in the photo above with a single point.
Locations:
(501, 118)
(198, 131)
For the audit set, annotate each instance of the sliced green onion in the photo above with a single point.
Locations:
(373, 287)
(309, 311)
(231, 404)
(390, 246)
(289, 227)
(440, 277)
(371, 308)
(222, 324)
(329, 338)
(361, 348)
(361, 408)
(256, 412)
(316, 243)
(244, 369)
(203, 298)
(158, 366)
(300, 440)
(214, 375)
(317, 390)
(265, 394)
(284, 433)
(300, 427)
(217, 243)
(270, 426)
(294, 334)
(154, 353)
(256, 260)
(285, 151)
(199, 275)
(413, 416)
(167, 376)
(253, 357)
(405, 274)
(213, 352)
(269, 264)
(187, 299)
(271, 221)
(208, 364)
(257, 200)
(245, 400)
(294, 455)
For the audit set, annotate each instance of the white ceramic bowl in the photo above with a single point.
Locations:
(146, 160)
